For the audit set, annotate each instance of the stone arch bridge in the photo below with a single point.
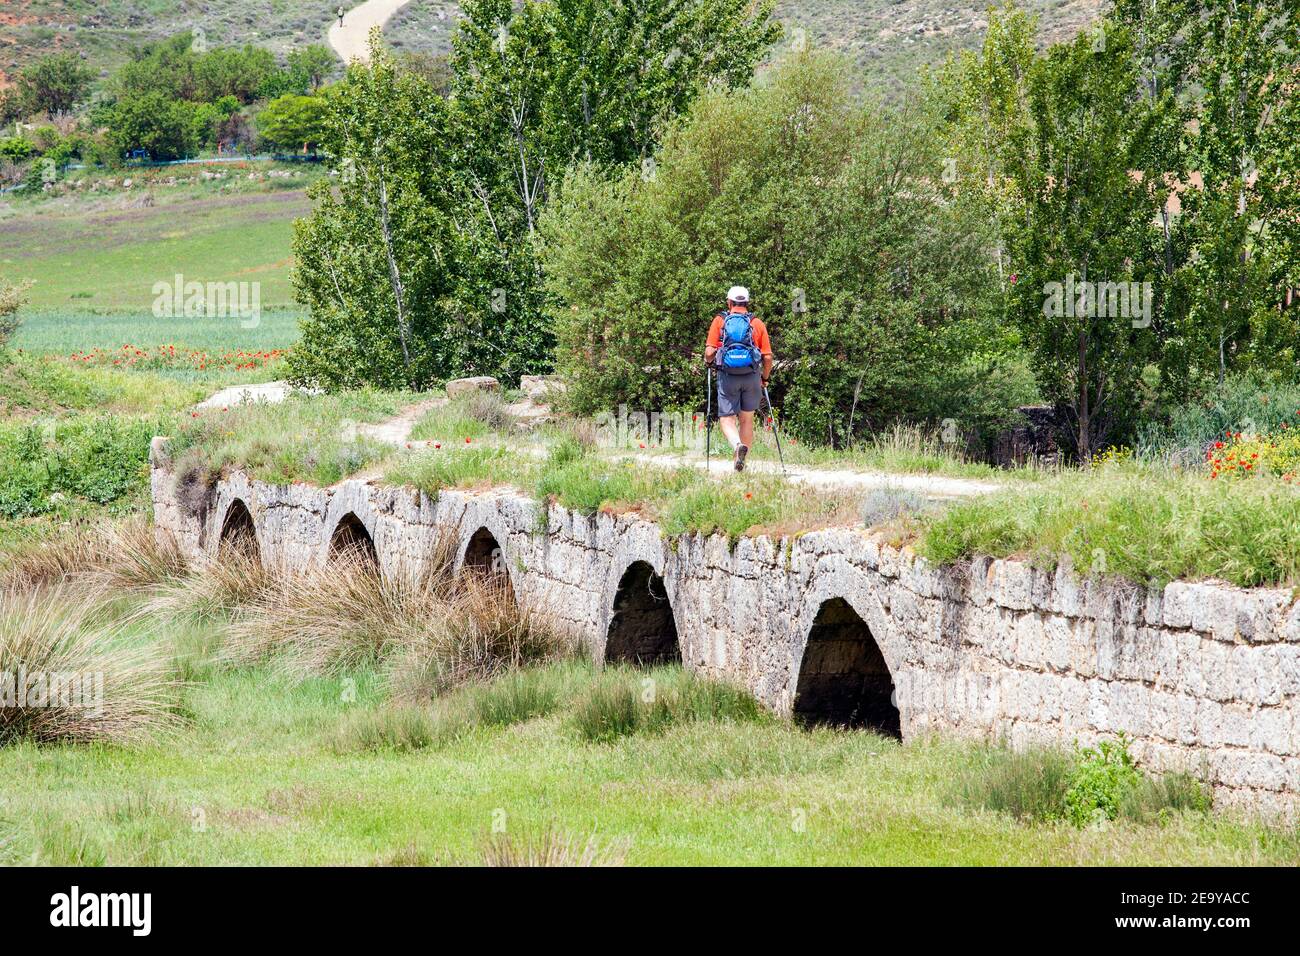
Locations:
(839, 626)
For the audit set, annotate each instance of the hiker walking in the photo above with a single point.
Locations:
(339, 11)
(739, 350)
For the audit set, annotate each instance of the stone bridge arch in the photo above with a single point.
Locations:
(482, 552)
(238, 531)
(846, 661)
(640, 624)
(351, 536)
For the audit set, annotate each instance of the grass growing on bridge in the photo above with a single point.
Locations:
(318, 439)
(1144, 523)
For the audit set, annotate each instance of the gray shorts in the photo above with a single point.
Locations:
(738, 393)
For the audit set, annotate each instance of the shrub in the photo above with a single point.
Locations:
(11, 300)
(1044, 784)
(622, 702)
(1101, 779)
(880, 315)
(16, 148)
(101, 458)
(127, 692)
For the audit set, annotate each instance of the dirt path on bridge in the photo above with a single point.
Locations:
(349, 40)
(396, 431)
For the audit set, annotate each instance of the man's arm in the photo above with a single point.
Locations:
(710, 349)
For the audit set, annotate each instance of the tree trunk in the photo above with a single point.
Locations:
(403, 331)
(1084, 439)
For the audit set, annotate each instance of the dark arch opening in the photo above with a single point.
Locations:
(484, 554)
(351, 538)
(484, 557)
(844, 680)
(641, 627)
(238, 532)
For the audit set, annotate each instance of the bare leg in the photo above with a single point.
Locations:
(728, 425)
(747, 429)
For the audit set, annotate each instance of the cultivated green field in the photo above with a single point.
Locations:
(90, 253)
(93, 258)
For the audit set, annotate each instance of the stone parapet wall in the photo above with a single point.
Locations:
(1201, 676)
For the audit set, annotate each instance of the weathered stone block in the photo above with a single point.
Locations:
(466, 386)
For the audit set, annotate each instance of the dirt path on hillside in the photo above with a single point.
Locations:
(349, 40)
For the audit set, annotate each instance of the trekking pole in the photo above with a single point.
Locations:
(708, 416)
(776, 429)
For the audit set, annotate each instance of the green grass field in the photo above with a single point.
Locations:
(93, 259)
(102, 254)
(253, 777)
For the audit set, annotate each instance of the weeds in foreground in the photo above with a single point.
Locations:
(552, 848)
(622, 702)
(1089, 786)
(67, 676)
(430, 628)
(101, 555)
(215, 587)
(394, 728)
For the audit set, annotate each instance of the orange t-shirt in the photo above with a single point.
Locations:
(761, 341)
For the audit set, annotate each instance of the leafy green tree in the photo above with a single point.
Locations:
(174, 67)
(618, 70)
(225, 71)
(313, 63)
(165, 128)
(873, 278)
(293, 122)
(504, 142)
(538, 85)
(1231, 68)
(54, 84)
(375, 261)
(1073, 165)
(163, 66)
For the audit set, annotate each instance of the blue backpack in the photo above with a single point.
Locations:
(738, 352)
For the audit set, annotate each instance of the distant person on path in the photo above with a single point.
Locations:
(339, 11)
(739, 350)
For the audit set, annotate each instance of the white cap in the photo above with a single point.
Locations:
(738, 293)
